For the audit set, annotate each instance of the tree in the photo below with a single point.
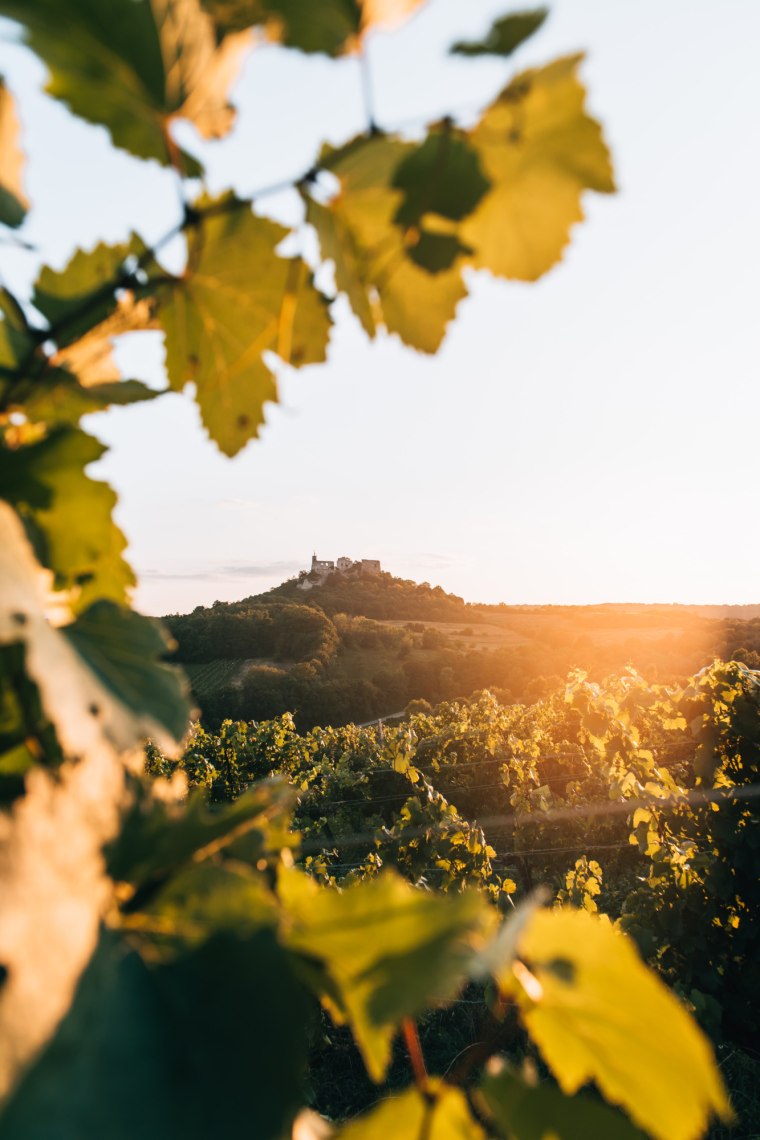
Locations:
(149, 940)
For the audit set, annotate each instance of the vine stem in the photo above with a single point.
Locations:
(414, 1049)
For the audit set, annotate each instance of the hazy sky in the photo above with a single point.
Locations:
(590, 438)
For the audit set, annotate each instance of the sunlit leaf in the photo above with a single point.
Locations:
(373, 267)
(80, 296)
(534, 1112)
(506, 35)
(442, 1115)
(239, 300)
(598, 1014)
(134, 65)
(68, 513)
(540, 150)
(13, 201)
(389, 949)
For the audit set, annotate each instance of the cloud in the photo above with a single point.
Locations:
(242, 570)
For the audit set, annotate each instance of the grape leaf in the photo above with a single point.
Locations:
(51, 864)
(440, 176)
(527, 1112)
(506, 35)
(68, 514)
(13, 201)
(81, 296)
(77, 699)
(540, 150)
(327, 28)
(134, 65)
(88, 314)
(598, 1014)
(442, 183)
(441, 1115)
(158, 838)
(238, 300)
(332, 27)
(389, 949)
(140, 1051)
(58, 397)
(371, 254)
(118, 645)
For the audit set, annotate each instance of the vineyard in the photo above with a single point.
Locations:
(211, 675)
(628, 800)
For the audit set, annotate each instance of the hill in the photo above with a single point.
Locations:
(358, 646)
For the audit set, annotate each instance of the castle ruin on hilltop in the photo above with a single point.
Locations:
(321, 569)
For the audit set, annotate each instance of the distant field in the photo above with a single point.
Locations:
(483, 635)
(210, 675)
(592, 626)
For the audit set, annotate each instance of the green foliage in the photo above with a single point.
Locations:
(506, 35)
(241, 300)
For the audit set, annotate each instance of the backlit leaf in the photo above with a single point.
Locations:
(443, 1115)
(357, 231)
(134, 65)
(69, 514)
(83, 294)
(598, 1014)
(238, 300)
(13, 201)
(540, 150)
(506, 35)
(389, 949)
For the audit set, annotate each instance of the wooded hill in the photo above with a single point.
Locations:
(361, 646)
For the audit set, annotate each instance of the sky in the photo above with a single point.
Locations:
(589, 438)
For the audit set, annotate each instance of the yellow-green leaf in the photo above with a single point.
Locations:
(68, 514)
(442, 1115)
(540, 150)
(371, 253)
(389, 949)
(598, 1014)
(238, 300)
